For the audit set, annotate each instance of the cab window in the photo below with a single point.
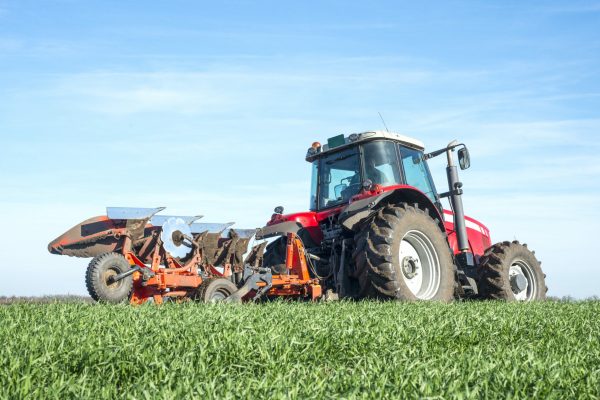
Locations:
(416, 172)
(314, 185)
(381, 163)
(339, 178)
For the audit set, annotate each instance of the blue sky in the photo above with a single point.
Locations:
(209, 107)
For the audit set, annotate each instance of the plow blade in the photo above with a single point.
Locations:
(122, 213)
(103, 234)
(159, 220)
(90, 238)
(214, 227)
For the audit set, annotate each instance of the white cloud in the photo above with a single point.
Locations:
(123, 94)
(221, 86)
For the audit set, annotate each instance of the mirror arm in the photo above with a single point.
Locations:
(441, 151)
(455, 192)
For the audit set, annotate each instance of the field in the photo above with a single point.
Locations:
(301, 350)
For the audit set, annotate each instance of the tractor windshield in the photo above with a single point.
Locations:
(336, 178)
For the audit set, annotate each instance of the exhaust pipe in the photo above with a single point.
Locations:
(455, 188)
(465, 257)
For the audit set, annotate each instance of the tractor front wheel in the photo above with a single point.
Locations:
(215, 290)
(99, 276)
(510, 271)
(401, 253)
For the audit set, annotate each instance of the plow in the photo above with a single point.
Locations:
(376, 228)
(141, 256)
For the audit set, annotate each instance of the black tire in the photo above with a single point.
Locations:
(98, 272)
(493, 273)
(275, 255)
(377, 255)
(215, 290)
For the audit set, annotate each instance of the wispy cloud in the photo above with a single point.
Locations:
(201, 92)
(227, 83)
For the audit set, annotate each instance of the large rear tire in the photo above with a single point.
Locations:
(274, 256)
(401, 253)
(510, 271)
(98, 274)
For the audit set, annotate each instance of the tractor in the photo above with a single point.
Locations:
(376, 229)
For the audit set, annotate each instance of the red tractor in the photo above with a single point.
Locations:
(376, 228)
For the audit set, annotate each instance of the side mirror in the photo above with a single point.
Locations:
(339, 189)
(327, 178)
(464, 160)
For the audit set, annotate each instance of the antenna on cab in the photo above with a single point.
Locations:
(386, 128)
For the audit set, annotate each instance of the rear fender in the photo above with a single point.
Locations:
(357, 211)
(283, 228)
(279, 229)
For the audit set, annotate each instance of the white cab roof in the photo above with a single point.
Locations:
(341, 141)
(411, 142)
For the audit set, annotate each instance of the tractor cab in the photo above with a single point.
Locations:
(345, 166)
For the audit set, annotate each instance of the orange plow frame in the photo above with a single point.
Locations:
(175, 281)
(297, 283)
(181, 281)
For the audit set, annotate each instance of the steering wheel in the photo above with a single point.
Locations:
(350, 191)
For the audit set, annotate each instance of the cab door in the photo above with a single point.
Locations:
(416, 172)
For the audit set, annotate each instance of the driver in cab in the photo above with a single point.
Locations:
(371, 173)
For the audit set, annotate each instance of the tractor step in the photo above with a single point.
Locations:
(467, 282)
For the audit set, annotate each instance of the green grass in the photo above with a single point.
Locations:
(301, 350)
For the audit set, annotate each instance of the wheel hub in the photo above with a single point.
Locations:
(518, 283)
(522, 281)
(409, 267)
(108, 275)
(420, 265)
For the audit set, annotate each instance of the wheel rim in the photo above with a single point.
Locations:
(420, 265)
(108, 274)
(219, 295)
(522, 281)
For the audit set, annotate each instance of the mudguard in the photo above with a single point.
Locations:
(357, 211)
(279, 229)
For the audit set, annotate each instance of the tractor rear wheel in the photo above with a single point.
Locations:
(99, 274)
(274, 256)
(401, 253)
(215, 290)
(509, 271)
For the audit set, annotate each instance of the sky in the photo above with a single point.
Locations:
(209, 107)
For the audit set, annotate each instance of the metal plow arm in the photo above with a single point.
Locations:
(297, 282)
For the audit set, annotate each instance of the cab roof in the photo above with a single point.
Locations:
(339, 142)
